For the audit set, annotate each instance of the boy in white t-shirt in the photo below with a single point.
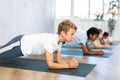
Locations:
(83, 40)
(43, 43)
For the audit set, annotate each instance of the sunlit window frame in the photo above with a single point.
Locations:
(72, 9)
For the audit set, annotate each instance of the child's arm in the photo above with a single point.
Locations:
(86, 50)
(102, 41)
(96, 45)
(59, 58)
(61, 64)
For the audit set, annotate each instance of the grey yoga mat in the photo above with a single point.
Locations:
(79, 53)
(40, 65)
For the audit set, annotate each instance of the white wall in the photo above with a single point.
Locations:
(25, 17)
(86, 24)
(116, 32)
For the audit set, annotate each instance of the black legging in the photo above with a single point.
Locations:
(15, 51)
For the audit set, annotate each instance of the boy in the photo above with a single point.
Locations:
(43, 43)
(82, 39)
(99, 42)
(107, 39)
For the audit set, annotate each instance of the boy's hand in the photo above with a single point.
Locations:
(100, 52)
(106, 45)
(73, 63)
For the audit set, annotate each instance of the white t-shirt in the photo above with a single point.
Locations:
(79, 37)
(39, 43)
(98, 41)
(109, 39)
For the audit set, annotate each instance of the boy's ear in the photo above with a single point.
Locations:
(62, 33)
(90, 35)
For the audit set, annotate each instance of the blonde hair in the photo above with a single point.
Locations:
(65, 25)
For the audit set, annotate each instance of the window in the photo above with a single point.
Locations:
(106, 8)
(63, 8)
(83, 9)
(96, 7)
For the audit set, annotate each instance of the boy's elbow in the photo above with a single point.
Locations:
(96, 46)
(50, 66)
(84, 52)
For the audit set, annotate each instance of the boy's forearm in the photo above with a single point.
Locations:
(53, 65)
(91, 52)
(62, 60)
(58, 66)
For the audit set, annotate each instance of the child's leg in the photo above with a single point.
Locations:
(9, 47)
(12, 53)
(15, 39)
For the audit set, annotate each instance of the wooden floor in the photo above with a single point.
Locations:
(106, 69)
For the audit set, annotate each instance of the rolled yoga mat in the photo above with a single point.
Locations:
(80, 53)
(40, 65)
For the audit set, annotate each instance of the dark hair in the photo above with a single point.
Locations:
(105, 34)
(92, 31)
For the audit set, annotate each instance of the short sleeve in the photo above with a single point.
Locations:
(89, 42)
(49, 47)
(110, 39)
(59, 47)
(52, 47)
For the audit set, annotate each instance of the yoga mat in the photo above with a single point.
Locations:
(40, 65)
(72, 52)
(80, 53)
(71, 46)
(115, 44)
(110, 48)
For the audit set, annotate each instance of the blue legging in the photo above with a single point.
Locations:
(15, 51)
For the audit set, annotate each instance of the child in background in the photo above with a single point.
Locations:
(82, 39)
(107, 39)
(99, 42)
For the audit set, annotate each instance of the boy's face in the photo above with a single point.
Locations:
(69, 35)
(105, 37)
(93, 37)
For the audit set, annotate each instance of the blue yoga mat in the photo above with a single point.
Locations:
(115, 44)
(72, 52)
(40, 65)
(110, 48)
(80, 53)
(71, 46)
